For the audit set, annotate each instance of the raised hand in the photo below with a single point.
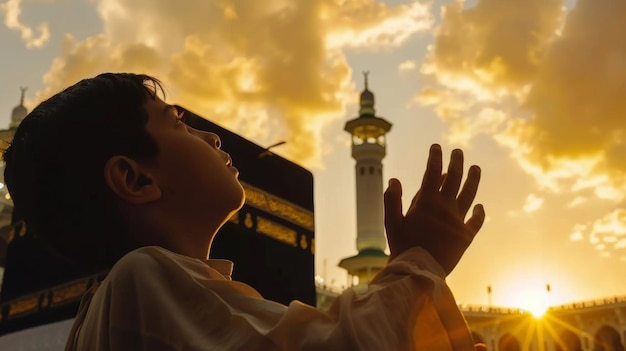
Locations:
(436, 218)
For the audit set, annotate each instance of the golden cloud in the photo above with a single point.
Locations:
(496, 44)
(12, 11)
(532, 203)
(560, 78)
(92, 56)
(577, 201)
(578, 233)
(407, 65)
(352, 23)
(272, 70)
(606, 234)
(560, 75)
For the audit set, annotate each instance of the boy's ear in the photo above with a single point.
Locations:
(129, 181)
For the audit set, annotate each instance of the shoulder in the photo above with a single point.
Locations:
(142, 257)
(142, 264)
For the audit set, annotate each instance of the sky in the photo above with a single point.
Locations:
(533, 91)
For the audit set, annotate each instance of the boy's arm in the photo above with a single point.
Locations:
(408, 305)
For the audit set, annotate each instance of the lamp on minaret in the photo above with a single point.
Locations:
(368, 149)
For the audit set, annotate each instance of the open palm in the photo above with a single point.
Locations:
(435, 220)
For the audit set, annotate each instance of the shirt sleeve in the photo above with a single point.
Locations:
(408, 306)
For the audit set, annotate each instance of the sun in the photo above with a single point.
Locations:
(534, 301)
(538, 310)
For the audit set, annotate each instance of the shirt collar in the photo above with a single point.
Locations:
(224, 267)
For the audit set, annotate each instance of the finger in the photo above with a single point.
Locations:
(468, 193)
(416, 197)
(393, 206)
(432, 176)
(480, 347)
(476, 221)
(414, 200)
(451, 184)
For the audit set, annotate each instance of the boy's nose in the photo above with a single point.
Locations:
(211, 138)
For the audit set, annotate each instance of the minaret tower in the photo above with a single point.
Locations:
(6, 204)
(6, 135)
(368, 149)
(19, 112)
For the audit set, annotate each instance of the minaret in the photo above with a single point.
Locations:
(19, 112)
(6, 204)
(6, 135)
(368, 149)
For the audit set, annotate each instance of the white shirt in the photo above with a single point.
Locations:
(154, 299)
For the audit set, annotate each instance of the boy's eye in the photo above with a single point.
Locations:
(179, 117)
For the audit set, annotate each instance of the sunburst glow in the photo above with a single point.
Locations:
(534, 301)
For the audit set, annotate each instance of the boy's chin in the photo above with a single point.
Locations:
(242, 200)
(238, 200)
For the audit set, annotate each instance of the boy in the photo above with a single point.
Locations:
(133, 185)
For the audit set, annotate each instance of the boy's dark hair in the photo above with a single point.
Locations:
(55, 165)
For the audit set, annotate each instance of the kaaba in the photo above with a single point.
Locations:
(271, 241)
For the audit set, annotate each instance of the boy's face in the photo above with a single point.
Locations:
(197, 179)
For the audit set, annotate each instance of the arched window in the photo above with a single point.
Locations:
(607, 339)
(508, 343)
(568, 341)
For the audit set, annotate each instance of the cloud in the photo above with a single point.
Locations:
(496, 45)
(606, 234)
(559, 75)
(273, 70)
(352, 23)
(12, 11)
(487, 120)
(86, 58)
(577, 234)
(532, 203)
(407, 65)
(577, 97)
(547, 84)
(577, 201)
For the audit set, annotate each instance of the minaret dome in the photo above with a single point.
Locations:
(366, 100)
